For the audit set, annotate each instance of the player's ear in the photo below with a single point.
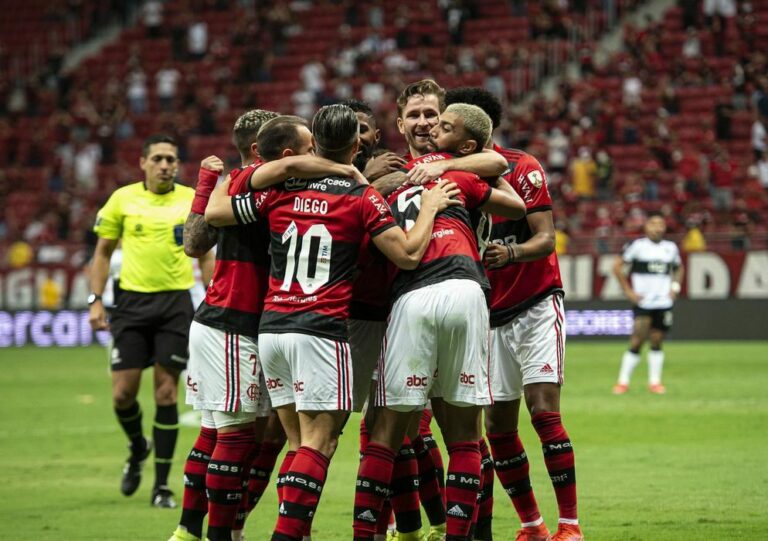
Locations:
(254, 149)
(377, 135)
(287, 152)
(468, 147)
(400, 125)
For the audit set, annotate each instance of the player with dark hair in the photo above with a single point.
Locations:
(374, 165)
(150, 324)
(527, 346)
(443, 298)
(316, 228)
(656, 272)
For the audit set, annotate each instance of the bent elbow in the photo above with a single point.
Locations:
(409, 262)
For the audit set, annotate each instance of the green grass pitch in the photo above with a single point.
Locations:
(688, 465)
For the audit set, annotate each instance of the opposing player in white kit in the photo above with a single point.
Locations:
(656, 271)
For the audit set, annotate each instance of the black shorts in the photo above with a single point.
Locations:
(660, 319)
(150, 328)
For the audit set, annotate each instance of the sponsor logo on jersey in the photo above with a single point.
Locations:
(274, 383)
(546, 369)
(416, 381)
(294, 184)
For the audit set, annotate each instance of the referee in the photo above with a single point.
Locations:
(150, 322)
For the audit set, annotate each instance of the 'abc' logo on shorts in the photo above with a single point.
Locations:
(467, 379)
(416, 381)
(274, 383)
(298, 386)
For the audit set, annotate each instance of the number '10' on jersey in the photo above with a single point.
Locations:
(315, 227)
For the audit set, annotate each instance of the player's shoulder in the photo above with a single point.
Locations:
(428, 158)
(329, 185)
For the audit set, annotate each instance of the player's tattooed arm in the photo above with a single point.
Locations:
(303, 166)
(389, 183)
(487, 163)
(199, 237)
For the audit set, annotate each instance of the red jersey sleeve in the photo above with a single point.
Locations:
(376, 214)
(530, 181)
(475, 191)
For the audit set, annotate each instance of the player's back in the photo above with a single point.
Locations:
(235, 297)
(316, 228)
(453, 251)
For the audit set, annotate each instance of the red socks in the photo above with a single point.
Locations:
(512, 469)
(302, 487)
(195, 503)
(559, 459)
(405, 490)
(373, 487)
(461, 488)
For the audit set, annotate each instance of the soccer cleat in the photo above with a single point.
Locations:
(132, 470)
(436, 533)
(180, 534)
(568, 532)
(393, 535)
(533, 533)
(412, 536)
(162, 498)
(620, 388)
(657, 388)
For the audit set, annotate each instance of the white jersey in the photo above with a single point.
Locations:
(651, 267)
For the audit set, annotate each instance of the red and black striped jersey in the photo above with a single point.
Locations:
(370, 292)
(316, 227)
(235, 297)
(517, 287)
(452, 252)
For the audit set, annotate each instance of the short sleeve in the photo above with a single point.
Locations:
(109, 220)
(249, 207)
(676, 261)
(475, 191)
(376, 214)
(533, 184)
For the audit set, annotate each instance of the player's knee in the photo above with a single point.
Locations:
(165, 395)
(123, 398)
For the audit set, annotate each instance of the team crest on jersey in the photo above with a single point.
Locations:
(293, 184)
(536, 178)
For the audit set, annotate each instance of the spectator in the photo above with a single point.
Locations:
(692, 44)
(561, 238)
(604, 175)
(557, 151)
(152, 17)
(632, 89)
(761, 170)
(694, 240)
(85, 163)
(759, 145)
(583, 173)
(197, 39)
(136, 91)
(167, 80)
(722, 176)
(723, 120)
(313, 74)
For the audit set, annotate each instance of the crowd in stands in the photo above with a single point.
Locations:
(675, 121)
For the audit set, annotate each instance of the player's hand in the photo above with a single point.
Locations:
(381, 165)
(97, 317)
(496, 255)
(634, 297)
(358, 176)
(673, 294)
(441, 196)
(426, 172)
(212, 163)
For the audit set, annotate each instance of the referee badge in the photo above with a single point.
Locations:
(178, 234)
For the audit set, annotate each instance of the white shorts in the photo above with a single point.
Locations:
(224, 372)
(436, 345)
(223, 419)
(314, 373)
(529, 349)
(365, 338)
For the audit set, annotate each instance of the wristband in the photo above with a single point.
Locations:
(206, 182)
(675, 287)
(512, 251)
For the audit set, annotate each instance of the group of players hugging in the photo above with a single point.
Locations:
(348, 278)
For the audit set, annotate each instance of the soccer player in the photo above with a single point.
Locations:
(224, 378)
(527, 341)
(150, 324)
(656, 272)
(317, 226)
(444, 299)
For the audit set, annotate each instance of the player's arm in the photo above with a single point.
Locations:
(487, 163)
(619, 271)
(219, 211)
(304, 166)
(504, 201)
(207, 261)
(387, 184)
(540, 245)
(677, 281)
(383, 164)
(200, 237)
(97, 316)
(406, 249)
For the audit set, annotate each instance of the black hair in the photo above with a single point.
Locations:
(155, 139)
(336, 129)
(475, 95)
